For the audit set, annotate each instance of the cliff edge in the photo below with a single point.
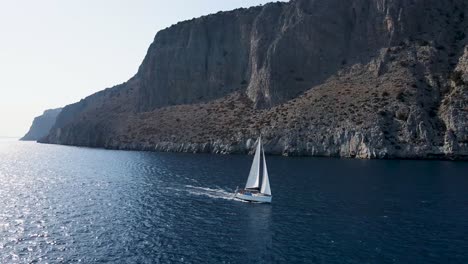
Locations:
(348, 78)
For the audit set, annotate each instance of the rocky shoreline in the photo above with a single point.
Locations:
(353, 148)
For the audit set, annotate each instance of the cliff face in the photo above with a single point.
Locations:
(42, 125)
(351, 78)
(273, 52)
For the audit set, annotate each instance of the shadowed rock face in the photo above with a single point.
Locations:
(351, 78)
(274, 52)
(42, 125)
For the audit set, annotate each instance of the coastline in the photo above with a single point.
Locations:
(187, 148)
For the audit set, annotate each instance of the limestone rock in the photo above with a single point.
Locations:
(348, 78)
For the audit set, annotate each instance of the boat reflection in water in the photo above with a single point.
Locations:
(259, 234)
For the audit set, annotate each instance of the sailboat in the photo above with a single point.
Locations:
(253, 192)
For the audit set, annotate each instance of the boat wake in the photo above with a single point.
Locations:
(217, 193)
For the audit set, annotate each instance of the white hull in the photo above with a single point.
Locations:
(254, 197)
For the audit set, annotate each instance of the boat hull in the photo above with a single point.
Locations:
(253, 197)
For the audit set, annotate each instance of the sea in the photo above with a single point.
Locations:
(62, 204)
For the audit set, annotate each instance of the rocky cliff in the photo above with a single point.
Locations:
(350, 78)
(42, 125)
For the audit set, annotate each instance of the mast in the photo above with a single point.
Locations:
(254, 176)
(265, 181)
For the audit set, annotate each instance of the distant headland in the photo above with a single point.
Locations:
(41, 125)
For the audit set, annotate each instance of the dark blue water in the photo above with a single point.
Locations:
(66, 204)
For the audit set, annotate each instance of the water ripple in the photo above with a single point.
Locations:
(70, 205)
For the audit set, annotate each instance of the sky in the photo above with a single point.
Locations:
(56, 52)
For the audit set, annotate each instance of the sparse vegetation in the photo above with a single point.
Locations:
(401, 96)
(457, 78)
(401, 115)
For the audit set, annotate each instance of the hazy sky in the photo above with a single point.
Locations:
(55, 52)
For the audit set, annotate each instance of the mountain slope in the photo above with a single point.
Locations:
(357, 78)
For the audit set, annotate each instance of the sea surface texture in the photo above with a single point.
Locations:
(63, 204)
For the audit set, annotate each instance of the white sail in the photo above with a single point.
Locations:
(265, 182)
(254, 176)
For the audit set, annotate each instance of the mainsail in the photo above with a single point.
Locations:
(265, 181)
(254, 176)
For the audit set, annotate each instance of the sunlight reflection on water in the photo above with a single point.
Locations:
(78, 204)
